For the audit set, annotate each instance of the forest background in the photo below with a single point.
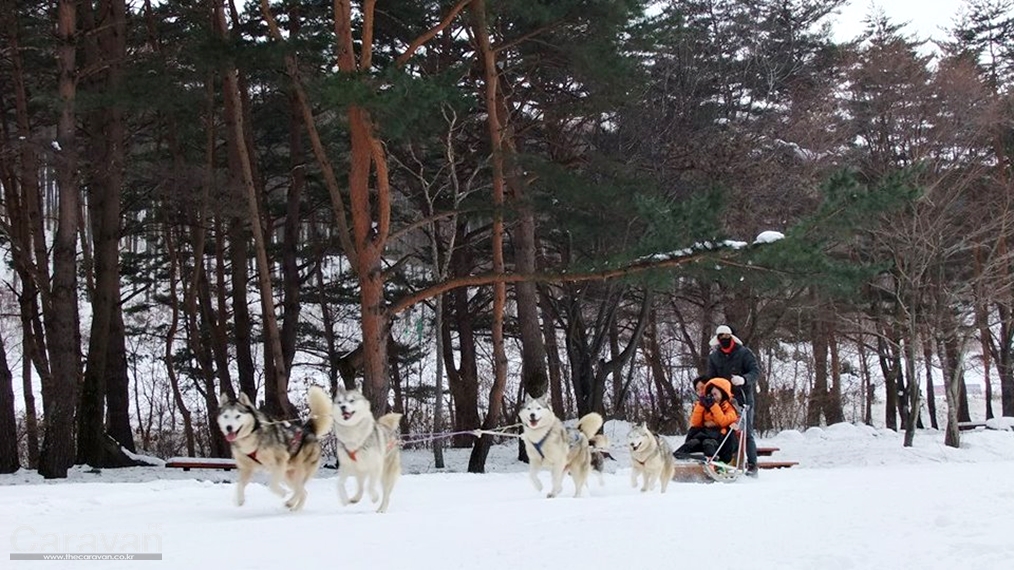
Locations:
(452, 204)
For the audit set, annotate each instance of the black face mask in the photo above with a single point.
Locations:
(725, 342)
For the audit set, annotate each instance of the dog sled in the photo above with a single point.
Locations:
(702, 468)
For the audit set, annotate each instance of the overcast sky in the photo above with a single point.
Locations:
(925, 18)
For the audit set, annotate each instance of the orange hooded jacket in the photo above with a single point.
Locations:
(723, 414)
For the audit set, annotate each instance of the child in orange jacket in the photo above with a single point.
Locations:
(712, 417)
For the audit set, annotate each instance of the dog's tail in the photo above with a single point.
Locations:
(589, 424)
(390, 422)
(320, 411)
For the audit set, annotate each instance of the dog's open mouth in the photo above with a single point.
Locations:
(533, 423)
(231, 436)
(346, 414)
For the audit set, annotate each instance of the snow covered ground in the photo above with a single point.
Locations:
(857, 500)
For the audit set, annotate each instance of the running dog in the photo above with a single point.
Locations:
(650, 457)
(288, 452)
(549, 444)
(368, 448)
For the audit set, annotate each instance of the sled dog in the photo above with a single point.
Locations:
(287, 451)
(368, 448)
(549, 444)
(650, 458)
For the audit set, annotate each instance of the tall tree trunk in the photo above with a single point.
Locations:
(276, 383)
(890, 367)
(952, 358)
(833, 411)
(170, 340)
(867, 384)
(818, 391)
(552, 354)
(240, 309)
(107, 49)
(21, 193)
(477, 460)
(462, 381)
(118, 385)
(31, 416)
(1003, 356)
(931, 398)
(9, 462)
(912, 422)
(291, 280)
(60, 390)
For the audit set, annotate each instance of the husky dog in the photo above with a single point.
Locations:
(650, 458)
(549, 444)
(288, 452)
(368, 448)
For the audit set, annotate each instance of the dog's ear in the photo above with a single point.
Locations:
(243, 399)
(223, 397)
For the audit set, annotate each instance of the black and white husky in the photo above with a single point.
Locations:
(368, 448)
(551, 445)
(289, 452)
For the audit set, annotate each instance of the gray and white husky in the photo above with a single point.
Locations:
(551, 445)
(289, 452)
(368, 449)
(650, 458)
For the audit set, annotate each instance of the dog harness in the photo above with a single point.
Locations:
(538, 444)
(352, 452)
(296, 434)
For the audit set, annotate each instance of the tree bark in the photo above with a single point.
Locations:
(931, 398)
(463, 380)
(818, 391)
(551, 344)
(60, 390)
(833, 411)
(118, 385)
(240, 308)
(477, 460)
(291, 280)
(105, 369)
(9, 462)
(276, 383)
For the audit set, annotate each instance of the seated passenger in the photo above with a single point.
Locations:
(712, 418)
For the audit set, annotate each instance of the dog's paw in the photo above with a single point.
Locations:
(278, 490)
(239, 500)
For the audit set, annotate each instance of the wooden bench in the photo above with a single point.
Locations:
(776, 464)
(188, 463)
(766, 451)
(964, 426)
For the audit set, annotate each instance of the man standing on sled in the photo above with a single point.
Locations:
(730, 359)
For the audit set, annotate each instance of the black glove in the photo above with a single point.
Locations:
(707, 401)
